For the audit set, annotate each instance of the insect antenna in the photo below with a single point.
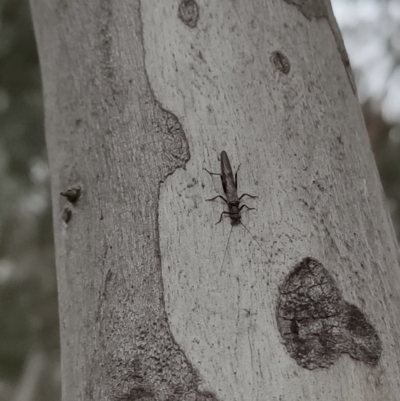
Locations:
(255, 241)
(226, 248)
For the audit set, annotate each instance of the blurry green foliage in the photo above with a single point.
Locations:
(387, 157)
(15, 332)
(28, 298)
(21, 117)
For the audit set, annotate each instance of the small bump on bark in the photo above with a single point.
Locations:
(188, 13)
(72, 194)
(280, 62)
(67, 215)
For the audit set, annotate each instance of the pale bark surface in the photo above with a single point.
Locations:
(145, 312)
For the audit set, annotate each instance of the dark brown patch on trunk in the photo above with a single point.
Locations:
(317, 324)
(188, 13)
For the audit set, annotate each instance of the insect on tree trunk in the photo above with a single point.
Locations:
(140, 97)
(230, 186)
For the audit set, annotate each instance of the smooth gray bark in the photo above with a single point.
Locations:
(136, 90)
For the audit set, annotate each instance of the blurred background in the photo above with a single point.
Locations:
(29, 338)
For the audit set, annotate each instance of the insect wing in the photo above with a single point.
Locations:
(228, 182)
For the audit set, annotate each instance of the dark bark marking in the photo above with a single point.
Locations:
(159, 369)
(139, 393)
(318, 9)
(317, 324)
(66, 215)
(188, 13)
(155, 367)
(310, 8)
(160, 364)
(164, 133)
(175, 147)
(280, 62)
(72, 194)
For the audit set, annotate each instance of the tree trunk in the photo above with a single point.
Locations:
(140, 97)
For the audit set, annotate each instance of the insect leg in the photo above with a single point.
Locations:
(250, 196)
(248, 208)
(218, 196)
(209, 172)
(222, 214)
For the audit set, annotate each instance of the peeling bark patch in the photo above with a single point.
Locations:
(317, 324)
(280, 62)
(310, 8)
(67, 215)
(317, 9)
(72, 194)
(159, 370)
(143, 360)
(175, 145)
(188, 13)
(139, 393)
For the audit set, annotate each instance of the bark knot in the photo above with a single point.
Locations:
(188, 13)
(72, 194)
(280, 62)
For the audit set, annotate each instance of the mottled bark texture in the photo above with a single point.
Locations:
(140, 97)
(110, 145)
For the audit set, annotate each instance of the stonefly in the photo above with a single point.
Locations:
(229, 184)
